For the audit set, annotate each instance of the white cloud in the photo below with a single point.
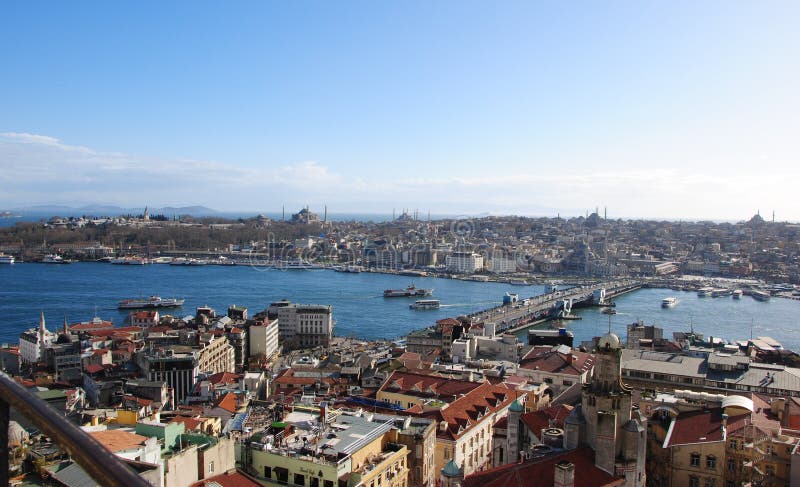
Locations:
(38, 169)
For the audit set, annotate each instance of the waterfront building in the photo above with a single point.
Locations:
(33, 342)
(501, 264)
(302, 325)
(487, 346)
(464, 262)
(145, 319)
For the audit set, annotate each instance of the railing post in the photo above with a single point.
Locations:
(3, 442)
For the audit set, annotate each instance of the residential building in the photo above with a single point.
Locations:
(559, 366)
(302, 325)
(464, 262)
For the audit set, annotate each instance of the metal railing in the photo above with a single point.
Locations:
(102, 465)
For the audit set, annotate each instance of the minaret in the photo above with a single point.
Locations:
(146, 214)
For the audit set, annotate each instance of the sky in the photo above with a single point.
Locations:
(677, 109)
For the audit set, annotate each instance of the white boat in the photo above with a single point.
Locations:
(704, 292)
(425, 304)
(718, 292)
(518, 282)
(55, 259)
(737, 294)
(669, 302)
(6, 259)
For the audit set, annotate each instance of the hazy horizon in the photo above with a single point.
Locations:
(678, 111)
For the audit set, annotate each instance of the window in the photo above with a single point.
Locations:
(211, 467)
(694, 482)
(711, 461)
(299, 479)
(732, 444)
(314, 482)
(695, 462)
(267, 472)
(548, 380)
(328, 483)
(769, 469)
(708, 482)
(731, 465)
(566, 382)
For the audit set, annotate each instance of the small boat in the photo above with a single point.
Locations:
(518, 282)
(424, 304)
(704, 292)
(760, 295)
(718, 292)
(737, 294)
(6, 259)
(609, 311)
(669, 302)
(55, 259)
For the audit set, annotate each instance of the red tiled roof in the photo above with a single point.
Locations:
(227, 402)
(91, 325)
(701, 427)
(228, 479)
(93, 368)
(549, 359)
(138, 400)
(536, 421)
(472, 409)
(118, 440)
(191, 424)
(424, 385)
(144, 315)
(224, 378)
(542, 473)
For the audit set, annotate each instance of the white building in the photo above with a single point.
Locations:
(303, 325)
(464, 262)
(264, 338)
(502, 265)
(33, 342)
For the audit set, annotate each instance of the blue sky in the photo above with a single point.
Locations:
(654, 109)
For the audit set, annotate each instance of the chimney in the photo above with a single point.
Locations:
(565, 475)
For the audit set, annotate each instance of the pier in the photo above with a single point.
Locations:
(512, 317)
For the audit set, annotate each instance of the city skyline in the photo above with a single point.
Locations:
(676, 111)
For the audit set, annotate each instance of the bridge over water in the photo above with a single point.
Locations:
(551, 305)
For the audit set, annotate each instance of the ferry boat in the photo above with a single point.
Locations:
(425, 304)
(6, 259)
(518, 282)
(151, 302)
(129, 261)
(669, 302)
(704, 292)
(55, 259)
(760, 295)
(609, 311)
(407, 292)
(737, 294)
(718, 292)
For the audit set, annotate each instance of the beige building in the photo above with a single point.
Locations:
(347, 451)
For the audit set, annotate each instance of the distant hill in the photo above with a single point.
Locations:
(111, 210)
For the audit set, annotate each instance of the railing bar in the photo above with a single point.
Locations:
(102, 465)
(4, 443)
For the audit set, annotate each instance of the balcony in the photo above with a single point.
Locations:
(103, 466)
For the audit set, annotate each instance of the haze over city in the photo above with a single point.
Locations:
(654, 110)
